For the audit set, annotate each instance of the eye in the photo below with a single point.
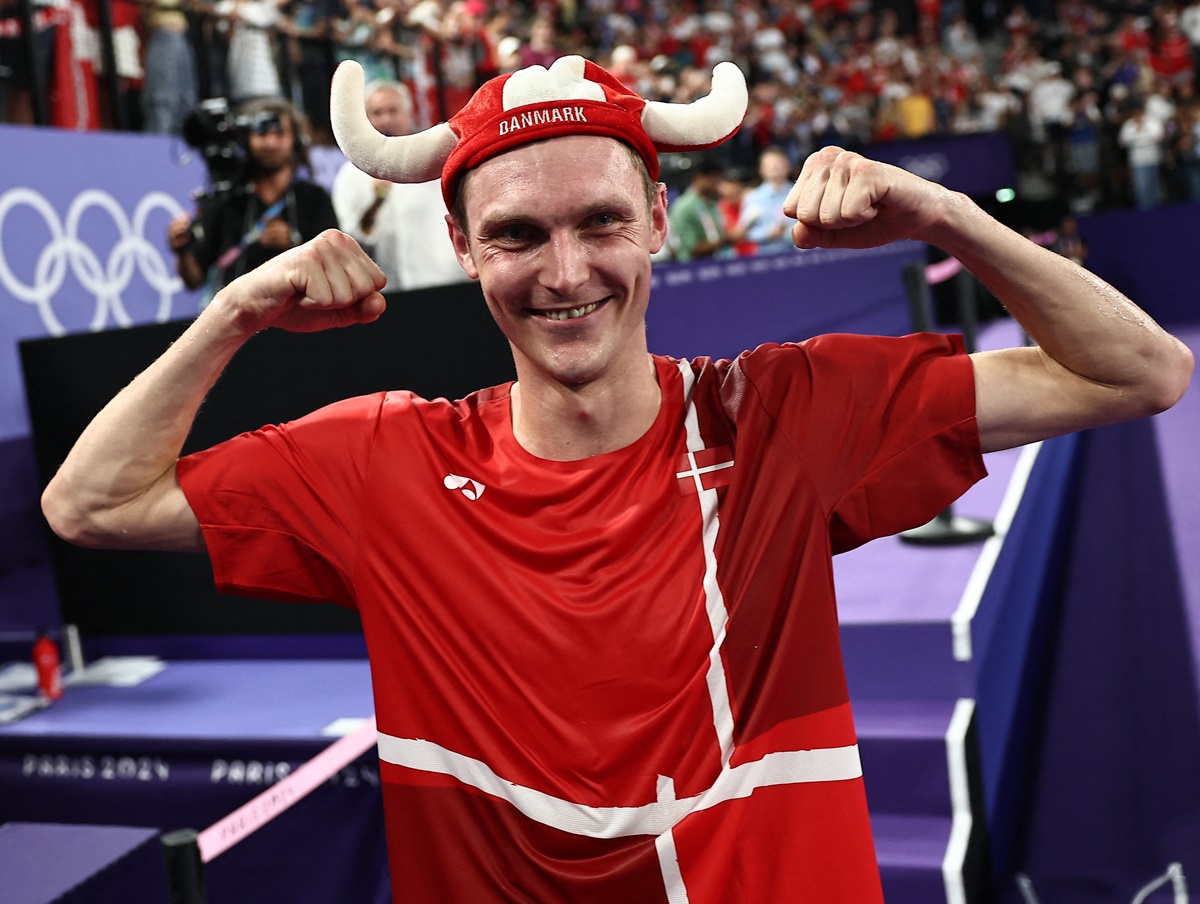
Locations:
(605, 220)
(512, 234)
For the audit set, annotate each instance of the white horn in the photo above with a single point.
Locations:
(403, 158)
(705, 121)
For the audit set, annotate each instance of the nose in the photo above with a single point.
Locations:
(564, 265)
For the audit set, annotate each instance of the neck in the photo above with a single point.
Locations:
(270, 186)
(562, 422)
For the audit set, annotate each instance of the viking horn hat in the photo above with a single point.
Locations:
(573, 97)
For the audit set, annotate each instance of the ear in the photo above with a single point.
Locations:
(462, 248)
(658, 220)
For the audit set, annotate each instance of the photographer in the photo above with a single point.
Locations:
(261, 209)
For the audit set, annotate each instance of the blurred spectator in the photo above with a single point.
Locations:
(455, 55)
(268, 210)
(359, 35)
(1142, 138)
(16, 96)
(1172, 57)
(996, 105)
(1050, 109)
(1185, 151)
(820, 71)
(308, 27)
(624, 65)
(1189, 24)
(696, 227)
(762, 214)
(170, 91)
(960, 39)
(402, 226)
(1069, 243)
(918, 116)
(508, 53)
(542, 48)
(127, 59)
(732, 192)
(1083, 150)
(253, 69)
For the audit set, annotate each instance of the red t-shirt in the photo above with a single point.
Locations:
(615, 679)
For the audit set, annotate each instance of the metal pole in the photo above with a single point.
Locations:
(112, 84)
(946, 528)
(965, 286)
(37, 84)
(185, 869)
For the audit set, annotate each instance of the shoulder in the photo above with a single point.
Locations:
(305, 189)
(850, 358)
(349, 174)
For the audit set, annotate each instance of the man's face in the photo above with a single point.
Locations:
(388, 113)
(707, 185)
(271, 151)
(773, 168)
(560, 239)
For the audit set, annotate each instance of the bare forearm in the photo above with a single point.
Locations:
(117, 486)
(1100, 359)
(1078, 320)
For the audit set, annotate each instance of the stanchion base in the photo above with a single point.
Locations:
(949, 530)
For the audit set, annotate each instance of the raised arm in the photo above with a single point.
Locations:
(118, 487)
(1099, 358)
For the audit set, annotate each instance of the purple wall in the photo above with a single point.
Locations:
(1151, 256)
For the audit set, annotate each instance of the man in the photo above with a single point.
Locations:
(762, 208)
(697, 226)
(402, 227)
(1142, 138)
(599, 600)
(270, 211)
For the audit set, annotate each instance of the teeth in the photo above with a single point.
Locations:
(572, 313)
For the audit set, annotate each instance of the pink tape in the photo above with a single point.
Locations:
(251, 816)
(943, 270)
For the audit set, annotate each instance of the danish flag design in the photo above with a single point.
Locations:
(704, 469)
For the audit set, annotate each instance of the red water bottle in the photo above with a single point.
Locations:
(49, 667)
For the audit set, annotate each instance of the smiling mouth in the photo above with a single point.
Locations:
(569, 313)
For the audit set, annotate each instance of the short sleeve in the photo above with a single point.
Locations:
(883, 427)
(281, 507)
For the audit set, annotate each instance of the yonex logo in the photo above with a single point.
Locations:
(472, 489)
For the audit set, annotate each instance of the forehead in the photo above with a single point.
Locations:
(558, 174)
(385, 97)
(283, 120)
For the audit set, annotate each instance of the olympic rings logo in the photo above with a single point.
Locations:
(105, 280)
(933, 167)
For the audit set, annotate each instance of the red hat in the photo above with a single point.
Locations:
(572, 97)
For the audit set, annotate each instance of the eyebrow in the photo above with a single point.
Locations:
(507, 217)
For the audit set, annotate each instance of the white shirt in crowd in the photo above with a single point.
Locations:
(1142, 138)
(409, 239)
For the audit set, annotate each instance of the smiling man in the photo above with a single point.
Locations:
(599, 600)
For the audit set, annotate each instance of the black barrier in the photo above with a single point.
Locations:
(947, 528)
(435, 342)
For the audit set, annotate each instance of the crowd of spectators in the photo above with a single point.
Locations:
(1097, 94)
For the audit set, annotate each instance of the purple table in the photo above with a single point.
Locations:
(74, 864)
